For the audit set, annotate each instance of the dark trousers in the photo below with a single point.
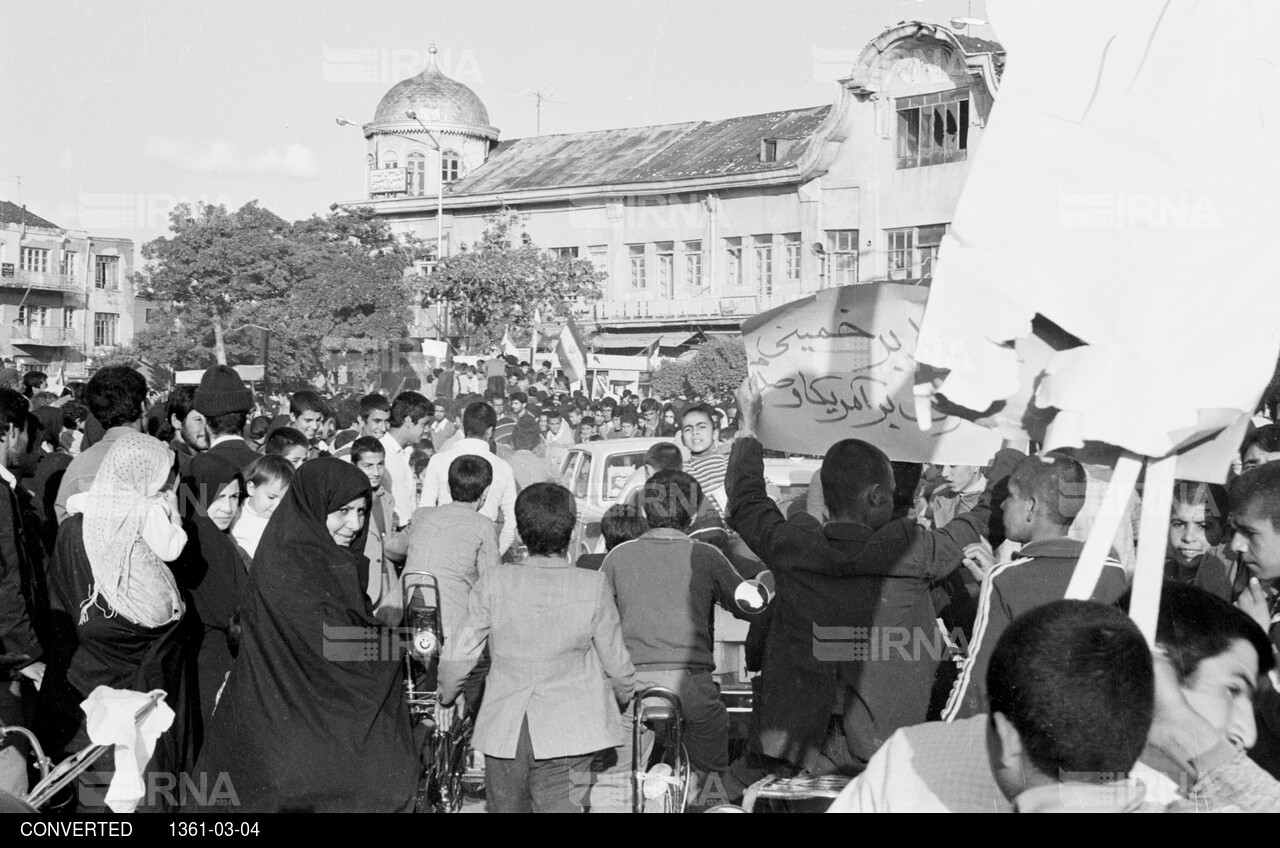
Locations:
(498, 386)
(523, 784)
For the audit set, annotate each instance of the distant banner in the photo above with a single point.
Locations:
(840, 365)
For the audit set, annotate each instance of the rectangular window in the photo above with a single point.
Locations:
(666, 267)
(69, 264)
(913, 252)
(733, 247)
(104, 329)
(33, 316)
(791, 246)
(598, 254)
(932, 128)
(35, 260)
(842, 257)
(636, 254)
(68, 318)
(762, 266)
(564, 252)
(693, 264)
(106, 272)
(769, 150)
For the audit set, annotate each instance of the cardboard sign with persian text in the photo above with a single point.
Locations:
(840, 365)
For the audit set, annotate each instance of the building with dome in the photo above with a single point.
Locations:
(704, 223)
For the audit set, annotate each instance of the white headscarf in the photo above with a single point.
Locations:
(126, 572)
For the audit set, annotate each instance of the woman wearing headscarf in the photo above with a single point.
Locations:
(116, 607)
(308, 721)
(214, 572)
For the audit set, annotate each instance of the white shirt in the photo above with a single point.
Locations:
(502, 491)
(399, 472)
(248, 529)
(225, 437)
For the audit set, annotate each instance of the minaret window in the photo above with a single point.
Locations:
(416, 164)
(450, 166)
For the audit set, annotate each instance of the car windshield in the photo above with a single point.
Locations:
(617, 469)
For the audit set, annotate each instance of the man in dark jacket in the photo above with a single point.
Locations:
(22, 602)
(853, 618)
(225, 402)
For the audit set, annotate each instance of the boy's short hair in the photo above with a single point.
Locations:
(622, 522)
(73, 414)
(307, 401)
(372, 402)
(663, 455)
(364, 445)
(650, 405)
(1055, 480)
(478, 419)
(1217, 503)
(701, 409)
(628, 416)
(1195, 625)
(587, 421)
(259, 427)
(1267, 438)
(409, 405)
(180, 403)
(469, 476)
(281, 439)
(1259, 489)
(115, 395)
(269, 469)
(1076, 681)
(227, 424)
(518, 397)
(672, 499)
(545, 517)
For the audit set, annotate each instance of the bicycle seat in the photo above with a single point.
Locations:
(657, 713)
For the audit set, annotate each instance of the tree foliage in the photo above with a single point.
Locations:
(502, 280)
(719, 366)
(671, 379)
(229, 276)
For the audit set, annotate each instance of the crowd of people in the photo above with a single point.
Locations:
(246, 556)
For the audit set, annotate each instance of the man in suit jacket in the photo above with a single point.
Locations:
(560, 667)
(225, 402)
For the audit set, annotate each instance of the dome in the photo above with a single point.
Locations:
(434, 98)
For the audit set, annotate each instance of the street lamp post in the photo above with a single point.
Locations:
(435, 145)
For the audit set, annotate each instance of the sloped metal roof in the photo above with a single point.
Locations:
(645, 154)
(12, 213)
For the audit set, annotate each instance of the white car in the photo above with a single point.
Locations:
(597, 471)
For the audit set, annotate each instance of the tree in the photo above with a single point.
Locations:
(219, 267)
(719, 366)
(671, 379)
(230, 277)
(502, 280)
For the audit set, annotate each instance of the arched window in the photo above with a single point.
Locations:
(390, 160)
(416, 165)
(450, 166)
(373, 163)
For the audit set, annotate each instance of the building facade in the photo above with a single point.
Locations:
(700, 225)
(66, 297)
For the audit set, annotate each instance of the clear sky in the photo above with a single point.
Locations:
(110, 112)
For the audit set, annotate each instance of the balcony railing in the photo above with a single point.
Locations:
(702, 306)
(44, 336)
(45, 282)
